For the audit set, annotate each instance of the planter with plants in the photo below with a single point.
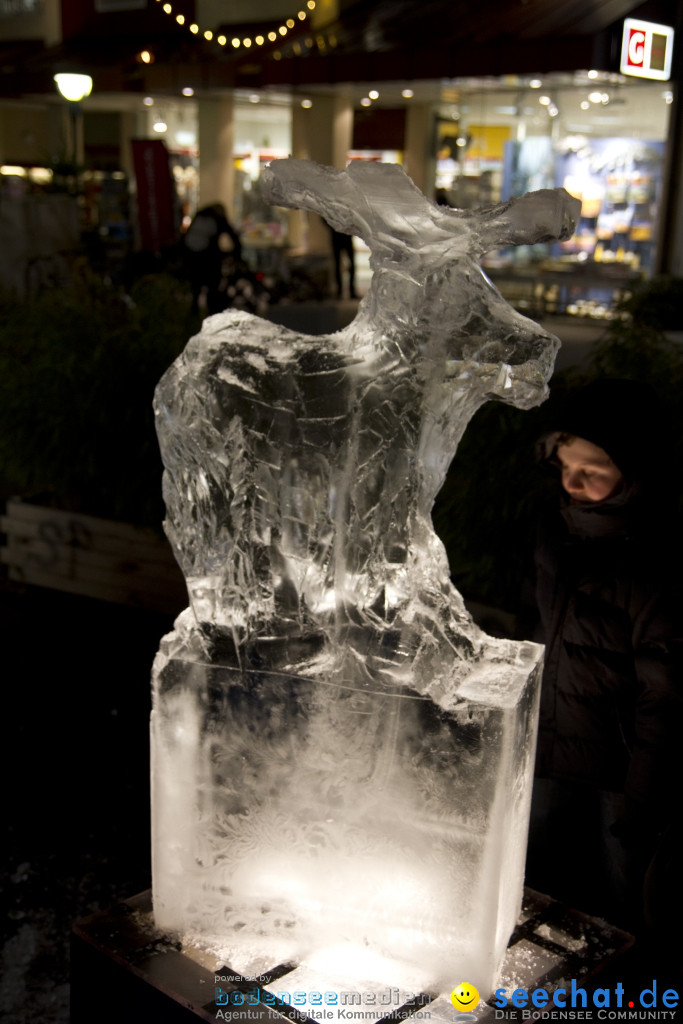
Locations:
(78, 369)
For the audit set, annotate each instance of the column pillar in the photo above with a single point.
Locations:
(323, 133)
(419, 156)
(216, 162)
(668, 257)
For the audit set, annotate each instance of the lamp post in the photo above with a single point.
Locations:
(74, 88)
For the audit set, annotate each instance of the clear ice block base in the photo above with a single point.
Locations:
(296, 820)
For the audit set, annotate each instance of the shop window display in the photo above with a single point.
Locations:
(619, 183)
(601, 138)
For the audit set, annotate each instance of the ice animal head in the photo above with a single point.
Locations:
(428, 287)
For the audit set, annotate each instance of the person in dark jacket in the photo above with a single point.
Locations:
(342, 243)
(608, 769)
(205, 245)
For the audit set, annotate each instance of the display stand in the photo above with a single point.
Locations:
(124, 969)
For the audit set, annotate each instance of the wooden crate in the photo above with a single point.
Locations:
(94, 557)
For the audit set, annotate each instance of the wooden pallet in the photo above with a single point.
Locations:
(94, 557)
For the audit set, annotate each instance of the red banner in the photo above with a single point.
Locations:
(156, 195)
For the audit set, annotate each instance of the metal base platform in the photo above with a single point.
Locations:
(124, 969)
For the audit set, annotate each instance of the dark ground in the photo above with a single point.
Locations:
(75, 747)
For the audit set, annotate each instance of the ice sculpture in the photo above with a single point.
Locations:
(341, 759)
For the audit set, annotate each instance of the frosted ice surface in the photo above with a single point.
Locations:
(341, 759)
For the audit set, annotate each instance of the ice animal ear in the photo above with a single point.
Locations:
(380, 204)
(545, 216)
(377, 202)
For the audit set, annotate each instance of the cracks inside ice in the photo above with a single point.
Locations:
(341, 758)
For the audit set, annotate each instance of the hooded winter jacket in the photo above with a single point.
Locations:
(611, 712)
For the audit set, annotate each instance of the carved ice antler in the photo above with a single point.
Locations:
(382, 206)
(355, 201)
(544, 216)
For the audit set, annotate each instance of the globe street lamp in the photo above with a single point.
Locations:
(74, 88)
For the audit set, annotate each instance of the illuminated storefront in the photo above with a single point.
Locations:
(602, 136)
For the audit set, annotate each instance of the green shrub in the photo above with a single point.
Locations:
(78, 369)
(655, 304)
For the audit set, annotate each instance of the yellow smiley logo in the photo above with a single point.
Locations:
(464, 996)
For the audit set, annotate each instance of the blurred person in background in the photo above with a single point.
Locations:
(343, 244)
(205, 244)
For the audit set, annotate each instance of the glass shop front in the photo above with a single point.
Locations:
(602, 137)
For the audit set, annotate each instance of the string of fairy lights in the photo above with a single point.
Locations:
(239, 41)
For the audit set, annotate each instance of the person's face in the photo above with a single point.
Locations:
(588, 473)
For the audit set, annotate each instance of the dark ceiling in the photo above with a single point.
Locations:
(370, 41)
(397, 39)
